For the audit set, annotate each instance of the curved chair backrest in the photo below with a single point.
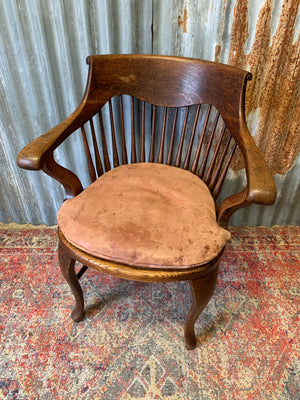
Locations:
(183, 112)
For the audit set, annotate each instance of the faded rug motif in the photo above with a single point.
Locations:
(130, 344)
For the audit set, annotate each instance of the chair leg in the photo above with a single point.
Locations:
(202, 290)
(67, 265)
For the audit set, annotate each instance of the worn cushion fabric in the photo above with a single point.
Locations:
(146, 215)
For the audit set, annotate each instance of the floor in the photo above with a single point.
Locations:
(130, 343)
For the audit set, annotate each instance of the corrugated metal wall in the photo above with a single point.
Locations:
(43, 46)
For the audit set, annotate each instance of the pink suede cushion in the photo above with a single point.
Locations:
(146, 215)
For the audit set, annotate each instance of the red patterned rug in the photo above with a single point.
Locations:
(130, 343)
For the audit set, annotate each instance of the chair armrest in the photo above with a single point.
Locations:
(260, 187)
(33, 155)
(38, 155)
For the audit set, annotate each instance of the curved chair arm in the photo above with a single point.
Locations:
(38, 154)
(260, 187)
(67, 178)
(33, 155)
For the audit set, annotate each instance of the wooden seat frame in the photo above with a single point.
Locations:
(171, 83)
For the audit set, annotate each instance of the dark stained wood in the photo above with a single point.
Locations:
(216, 174)
(221, 179)
(67, 265)
(162, 139)
(113, 136)
(168, 82)
(104, 146)
(230, 205)
(171, 145)
(209, 172)
(191, 142)
(142, 154)
(199, 148)
(133, 150)
(91, 167)
(151, 154)
(67, 178)
(202, 290)
(208, 147)
(99, 167)
(124, 151)
(179, 151)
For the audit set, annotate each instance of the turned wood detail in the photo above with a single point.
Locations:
(199, 127)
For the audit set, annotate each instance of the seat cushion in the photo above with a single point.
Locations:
(145, 215)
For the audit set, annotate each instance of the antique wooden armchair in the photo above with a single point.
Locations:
(155, 217)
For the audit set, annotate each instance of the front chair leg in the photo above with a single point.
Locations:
(202, 290)
(67, 264)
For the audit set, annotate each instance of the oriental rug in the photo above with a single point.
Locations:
(130, 344)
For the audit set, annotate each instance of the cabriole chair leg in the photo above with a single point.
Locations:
(202, 290)
(67, 264)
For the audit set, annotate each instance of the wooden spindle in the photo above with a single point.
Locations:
(124, 151)
(179, 151)
(216, 174)
(133, 151)
(211, 166)
(142, 155)
(190, 147)
(198, 151)
(170, 152)
(99, 167)
(104, 146)
(151, 154)
(162, 139)
(113, 136)
(221, 179)
(91, 168)
(207, 150)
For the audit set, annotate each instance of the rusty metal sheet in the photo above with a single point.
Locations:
(261, 36)
(272, 98)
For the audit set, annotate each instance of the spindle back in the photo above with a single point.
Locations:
(182, 112)
(193, 137)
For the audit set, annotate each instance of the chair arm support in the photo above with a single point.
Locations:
(67, 178)
(38, 155)
(230, 205)
(260, 187)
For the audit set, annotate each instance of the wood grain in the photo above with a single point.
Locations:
(168, 82)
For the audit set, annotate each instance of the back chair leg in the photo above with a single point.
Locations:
(202, 290)
(67, 264)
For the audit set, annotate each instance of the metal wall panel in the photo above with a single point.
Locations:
(43, 46)
(261, 36)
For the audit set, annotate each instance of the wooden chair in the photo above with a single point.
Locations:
(155, 217)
